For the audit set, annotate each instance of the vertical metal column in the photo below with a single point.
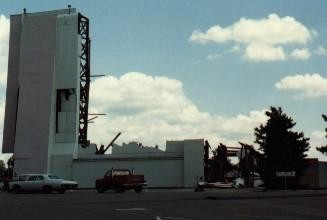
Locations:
(83, 30)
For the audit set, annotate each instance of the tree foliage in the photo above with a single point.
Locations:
(2, 168)
(283, 149)
(323, 149)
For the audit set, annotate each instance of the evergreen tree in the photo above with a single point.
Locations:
(283, 149)
(323, 149)
(2, 168)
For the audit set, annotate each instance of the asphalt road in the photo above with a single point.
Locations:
(165, 205)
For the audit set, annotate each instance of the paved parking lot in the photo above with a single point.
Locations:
(166, 205)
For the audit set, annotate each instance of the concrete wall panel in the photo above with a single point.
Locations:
(164, 172)
(161, 168)
(36, 83)
(193, 161)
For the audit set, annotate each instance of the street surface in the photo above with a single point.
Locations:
(166, 205)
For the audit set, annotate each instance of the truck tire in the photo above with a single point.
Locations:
(5, 186)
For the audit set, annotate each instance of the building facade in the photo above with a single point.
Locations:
(42, 100)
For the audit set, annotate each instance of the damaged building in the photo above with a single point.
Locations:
(46, 114)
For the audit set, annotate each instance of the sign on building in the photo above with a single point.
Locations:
(285, 174)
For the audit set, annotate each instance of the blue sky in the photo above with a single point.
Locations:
(224, 77)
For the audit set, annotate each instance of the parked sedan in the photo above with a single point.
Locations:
(41, 182)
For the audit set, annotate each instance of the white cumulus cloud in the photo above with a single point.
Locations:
(215, 34)
(3, 157)
(306, 86)
(264, 52)
(321, 51)
(153, 109)
(317, 139)
(4, 31)
(301, 54)
(4, 42)
(271, 34)
(4, 46)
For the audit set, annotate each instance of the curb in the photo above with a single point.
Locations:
(264, 196)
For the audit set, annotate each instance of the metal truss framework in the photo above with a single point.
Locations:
(83, 31)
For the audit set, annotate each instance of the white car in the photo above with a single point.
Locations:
(41, 182)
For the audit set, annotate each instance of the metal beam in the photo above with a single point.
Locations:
(83, 31)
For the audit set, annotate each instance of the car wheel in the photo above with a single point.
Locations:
(61, 191)
(47, 189)
(5, 187)
(138, 189)
(17, 189)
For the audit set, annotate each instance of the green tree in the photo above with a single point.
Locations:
(2, 168)
(283, 149)
(323, 149)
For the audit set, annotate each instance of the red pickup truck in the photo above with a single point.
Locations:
(120, 180)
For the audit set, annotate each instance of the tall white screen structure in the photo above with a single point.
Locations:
(42, 114)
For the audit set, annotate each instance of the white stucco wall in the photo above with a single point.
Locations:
(193, 162)
(181, 166)
(64, 135)
(158, 171)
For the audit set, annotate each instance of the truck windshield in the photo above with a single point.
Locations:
(121, 172)
(118, 172)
